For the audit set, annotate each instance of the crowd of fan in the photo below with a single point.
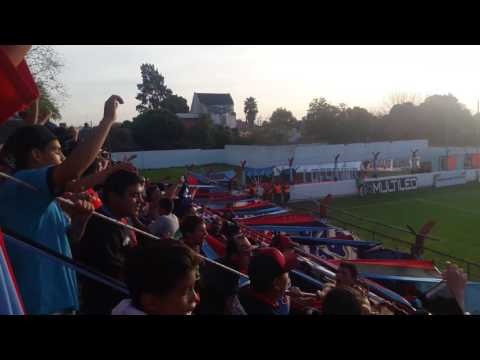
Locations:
(164, 276)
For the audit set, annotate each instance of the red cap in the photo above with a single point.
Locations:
(268, 263)
(283, 242)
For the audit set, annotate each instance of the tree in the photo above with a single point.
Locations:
(399, 98)
(320, 123)
(251, 110)
(222, 136)
(120, 138)
(356, 125)
(157, 129)
(200, 134)
(175, 104)
(152, 90)
(47, 103)
(46, 65)
(444, 120)
(283, 118)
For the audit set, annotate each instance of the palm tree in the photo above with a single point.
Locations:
(251, 111)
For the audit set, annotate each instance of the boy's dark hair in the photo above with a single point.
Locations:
(341, 301)
(351, 268)
(149, 191)
(189, 224)
(233, 246)
(157, 268)
(119, 182)
(230, 229)
(166, 204)
(25, 139)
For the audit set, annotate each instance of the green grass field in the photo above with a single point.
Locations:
(456, 210)
(173, 174)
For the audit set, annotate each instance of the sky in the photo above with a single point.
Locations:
(276, 76)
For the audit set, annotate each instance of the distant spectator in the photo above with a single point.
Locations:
(341, 301)
(347, 275)
(269, 280)
(194, 232)
(167, 223)
(219, 287)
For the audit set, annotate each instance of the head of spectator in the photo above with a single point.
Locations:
(268, 272)
(152, 194)
(230, 229)
(194, 232)
(35, 147)
(239, 252)
(215, 228)
(347, 274)
(161, 279)
(165, 206)
(122, 194)
(341, 301)
(188, 210)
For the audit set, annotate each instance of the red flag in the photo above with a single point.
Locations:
(17, 87)
(192, 180)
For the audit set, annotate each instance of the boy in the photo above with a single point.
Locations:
(47, 287)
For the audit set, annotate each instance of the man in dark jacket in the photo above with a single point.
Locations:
(105, 245)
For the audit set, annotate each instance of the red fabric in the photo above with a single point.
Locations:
(417, 264)
(253, 205)
(274, 253)
(192, 180)
(17, 87)
(279, 220)
(476, 161)
(10, 269)
(217, 245)
(97, 202)
(452, 162)
(265, 299)
(283, 242)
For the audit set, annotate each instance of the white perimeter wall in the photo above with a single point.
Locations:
(172, 158)
(258, 156)
(349, 187)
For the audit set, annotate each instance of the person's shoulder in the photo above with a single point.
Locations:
(25, 173)
(97, 225)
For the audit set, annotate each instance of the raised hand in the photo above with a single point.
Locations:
(110, 109)
(456, 280)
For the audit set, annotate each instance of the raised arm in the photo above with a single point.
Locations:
(85, 153)
(98, 178)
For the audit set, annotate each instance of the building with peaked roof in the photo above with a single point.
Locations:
(220, 107)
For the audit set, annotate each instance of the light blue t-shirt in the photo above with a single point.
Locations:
(46, 286)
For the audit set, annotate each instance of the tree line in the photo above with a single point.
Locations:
(441, 119)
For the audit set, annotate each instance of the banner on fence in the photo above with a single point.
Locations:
(391, 184)
(457, 178)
